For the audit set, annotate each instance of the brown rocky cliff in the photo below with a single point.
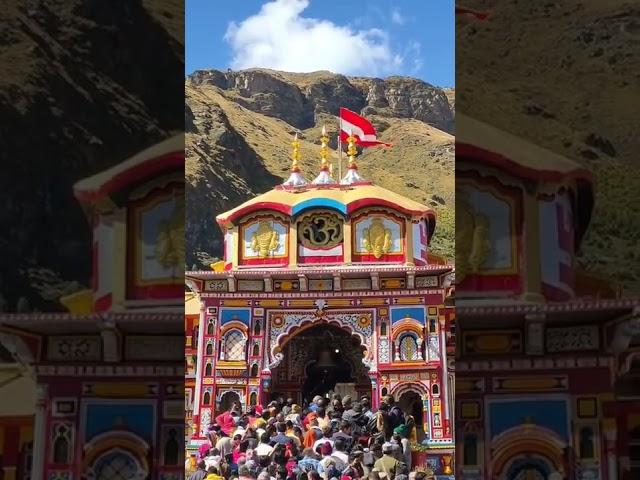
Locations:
(84, 86)
(239, 126)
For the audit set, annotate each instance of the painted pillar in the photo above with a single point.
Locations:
(40, 434)
(610, 434)
(202, 328)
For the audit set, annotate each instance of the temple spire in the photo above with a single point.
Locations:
(295, 179)
(324, 177)
(352, 175)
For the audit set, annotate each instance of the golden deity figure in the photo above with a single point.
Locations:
(265, 239)
(169, 248)
(377, 238)
(472, 240)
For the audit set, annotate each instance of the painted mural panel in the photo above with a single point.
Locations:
(264, 238)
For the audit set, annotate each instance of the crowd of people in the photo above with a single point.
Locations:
(330, 438)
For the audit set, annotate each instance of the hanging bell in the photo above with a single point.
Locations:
(325, 360)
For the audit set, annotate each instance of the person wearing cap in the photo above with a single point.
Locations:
(400, 434)
(388, 463)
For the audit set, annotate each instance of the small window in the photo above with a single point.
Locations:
(384, 392)
(256, 328)
(470, 452)
(209, 348)
(408, 348)
(253, 398)
(435, 389)
(210, 328)
(587, 449)
(432, 325)
(207, 370)
(234, 345)
(383, 329)
(256, 349)
(254, 370)
(61, 446)
(206, 398)
(172, 448)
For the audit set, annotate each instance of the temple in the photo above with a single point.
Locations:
(109, 373)
(547, 357)
(328, 286)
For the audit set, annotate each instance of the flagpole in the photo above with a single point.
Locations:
(339, 155)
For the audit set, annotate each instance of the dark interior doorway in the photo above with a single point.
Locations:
(318, 358)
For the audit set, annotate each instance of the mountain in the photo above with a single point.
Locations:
(239, 126)
(566, 75)
(84, 86)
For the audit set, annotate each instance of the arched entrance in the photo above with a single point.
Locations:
(228, 400)
(527, 452)
(320, 359)
(411, 403)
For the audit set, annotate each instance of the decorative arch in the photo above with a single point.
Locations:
(407, 325)
(234, 324)
(116, 443)
(285, 325)
(526, 440)
(401, 388)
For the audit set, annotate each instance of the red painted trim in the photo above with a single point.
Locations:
(380, 202)
(475, 154)
(388, 257)
(271, 262)
(103, 303)
(274, 206)
(480, 283)
(157, 291)
(319, 260)
(351, 207)
(147, 169)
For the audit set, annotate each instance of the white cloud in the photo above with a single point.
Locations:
(279, 37)
(396, 17)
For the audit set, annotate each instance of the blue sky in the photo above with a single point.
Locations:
(374, 38)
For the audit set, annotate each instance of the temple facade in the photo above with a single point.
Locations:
(328, 286)
(109, 373)
(546, 354)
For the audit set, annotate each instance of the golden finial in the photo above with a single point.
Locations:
(295, 155)
(352, 151)
(324, 149)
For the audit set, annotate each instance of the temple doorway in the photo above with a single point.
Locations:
(410, 402)
(228, 400)
(320, 360)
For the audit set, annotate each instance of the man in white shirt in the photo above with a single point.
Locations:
(264, 449)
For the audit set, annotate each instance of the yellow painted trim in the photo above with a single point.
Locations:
(119, 278)
(293, 244)
(79, 303)
(408, 235)
(236, 246)
(533, 283)
(235, 303)
(269, 303)
(347, 241)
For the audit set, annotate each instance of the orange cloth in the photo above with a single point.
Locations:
(309, 438)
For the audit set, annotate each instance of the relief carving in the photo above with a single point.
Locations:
(472, 241)
(377, 238)
(265, 239)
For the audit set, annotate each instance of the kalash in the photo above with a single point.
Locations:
(325, 287)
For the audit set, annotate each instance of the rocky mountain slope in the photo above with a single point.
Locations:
(567, 76)
(84, 86)
(239, 126)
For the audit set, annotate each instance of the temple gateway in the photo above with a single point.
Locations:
(327, 286)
